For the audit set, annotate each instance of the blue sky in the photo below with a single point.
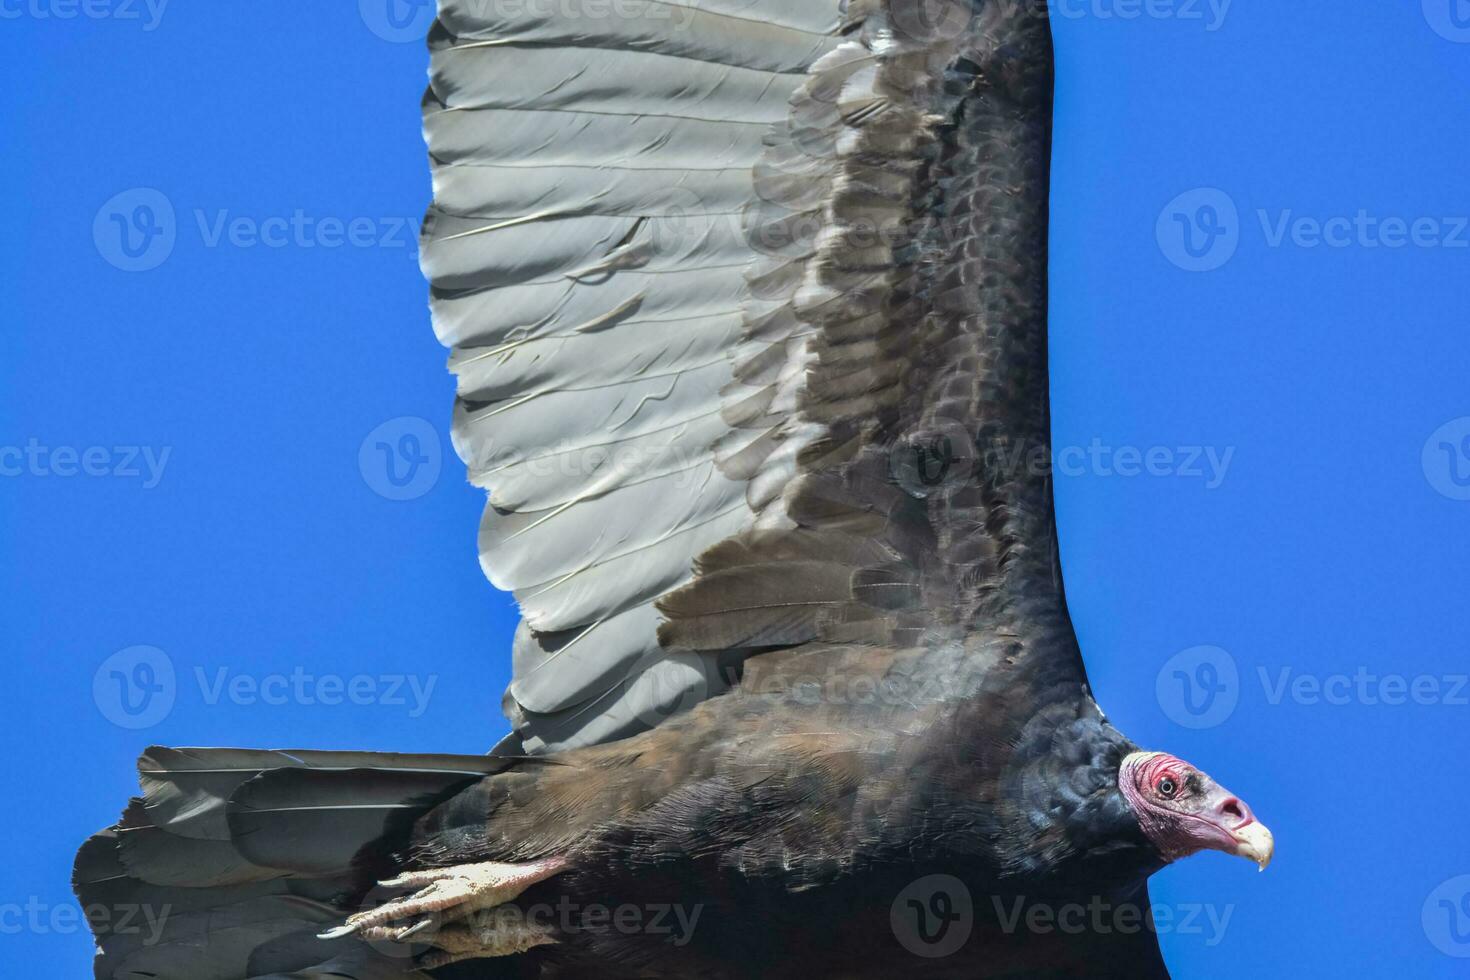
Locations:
(225, 478)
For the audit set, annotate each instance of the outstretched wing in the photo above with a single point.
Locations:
(747, 302)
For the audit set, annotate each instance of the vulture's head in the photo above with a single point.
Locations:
(1182, 810)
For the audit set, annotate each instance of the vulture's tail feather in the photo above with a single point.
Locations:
(232, 861)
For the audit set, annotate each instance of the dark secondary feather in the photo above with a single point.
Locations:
(929, 370)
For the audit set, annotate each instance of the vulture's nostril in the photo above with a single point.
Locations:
(1236, 812)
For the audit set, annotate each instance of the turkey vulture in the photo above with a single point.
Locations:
(747, 303)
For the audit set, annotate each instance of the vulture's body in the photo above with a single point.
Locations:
(748, 307)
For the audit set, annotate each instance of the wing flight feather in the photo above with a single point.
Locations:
(747, 304)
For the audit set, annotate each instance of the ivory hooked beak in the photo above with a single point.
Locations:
(1254, 842)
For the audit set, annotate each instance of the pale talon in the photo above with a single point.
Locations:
(393, 934)
(410, 878)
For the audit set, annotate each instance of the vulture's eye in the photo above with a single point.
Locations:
(1167, 787)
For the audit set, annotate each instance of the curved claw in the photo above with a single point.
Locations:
(393, 934)
(460, 890)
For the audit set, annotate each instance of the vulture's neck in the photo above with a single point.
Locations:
(1048, 804)
(1063, 815)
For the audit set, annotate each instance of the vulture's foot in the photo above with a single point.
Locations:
(447, 895)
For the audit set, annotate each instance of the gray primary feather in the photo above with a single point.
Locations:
(589, 255)
(750, 272)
